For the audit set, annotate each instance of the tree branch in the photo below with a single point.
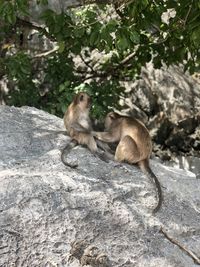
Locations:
(187, 15)
(109, 72)
(126, 59)
(28, 24)
(86, 63)
(118, 11)
(44, 54)
(99, 2)
(189, 252)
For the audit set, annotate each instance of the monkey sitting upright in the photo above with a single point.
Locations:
(134, 144)
(79, 127)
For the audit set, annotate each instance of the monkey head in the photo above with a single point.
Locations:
(111, 120)
(83, 100)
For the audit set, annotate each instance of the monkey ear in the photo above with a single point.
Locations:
(112, 115)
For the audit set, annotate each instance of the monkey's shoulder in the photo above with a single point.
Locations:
(133, 122)
(136, 127)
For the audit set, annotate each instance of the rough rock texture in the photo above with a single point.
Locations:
(168, 101)
(99, 214)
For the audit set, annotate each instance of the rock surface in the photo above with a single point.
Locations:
(168, 101)
(99, 213)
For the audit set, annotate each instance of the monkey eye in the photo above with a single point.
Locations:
(81, 97)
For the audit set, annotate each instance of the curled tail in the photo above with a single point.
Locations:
(66, 151)
(144, 165)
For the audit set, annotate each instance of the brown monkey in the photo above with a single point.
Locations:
(134, 144)
(79, 127)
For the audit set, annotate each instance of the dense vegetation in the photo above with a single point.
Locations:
(110, 41)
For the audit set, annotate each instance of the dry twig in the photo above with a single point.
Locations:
(189, 252)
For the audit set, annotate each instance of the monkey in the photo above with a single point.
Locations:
(134, 144)
(78, 125)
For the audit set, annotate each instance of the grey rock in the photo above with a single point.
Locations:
(167, 100)
(97, 214)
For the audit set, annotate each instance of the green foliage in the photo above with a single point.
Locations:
(104, 96)
(19, 69)
(9, 10)
(128, 37)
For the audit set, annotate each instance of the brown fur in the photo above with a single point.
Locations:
(134, 144)
(78, 125)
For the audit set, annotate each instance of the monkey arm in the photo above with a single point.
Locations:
(104, 146)
(79, 128)
(108, 137)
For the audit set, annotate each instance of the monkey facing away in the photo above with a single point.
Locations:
(79, 128)
(134, 144)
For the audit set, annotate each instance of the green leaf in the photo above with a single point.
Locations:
(22, 7)
(11, 18)
(123, 43)
(145, 3)
(94, 37)
(42, 2)
(61, 47)
(25, 70)
(195, 37)
(135, 37)
(63, 107)
(48, 16)
(79, 32)
(105, 35)
(112, 25)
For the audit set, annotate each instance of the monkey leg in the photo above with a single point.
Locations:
(127, 151)
(108, 152)
(104, 156)
(104, 146)
(66, 151)
(92, 145)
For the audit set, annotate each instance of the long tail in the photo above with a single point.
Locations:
(144, 165)
(66, 151)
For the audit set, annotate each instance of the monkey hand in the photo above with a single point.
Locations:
(95, 134)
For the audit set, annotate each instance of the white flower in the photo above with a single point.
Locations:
(166, 16)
